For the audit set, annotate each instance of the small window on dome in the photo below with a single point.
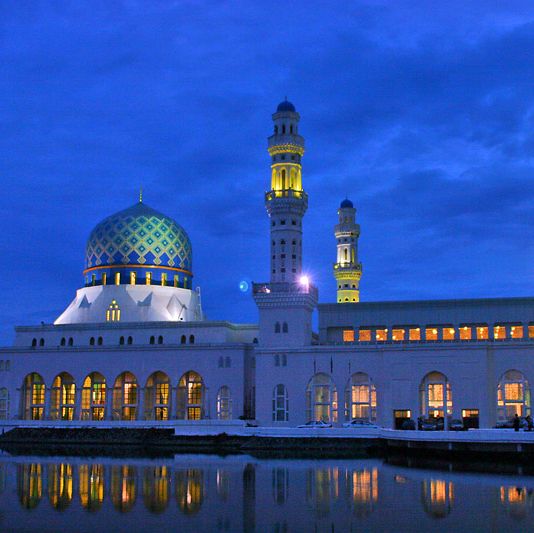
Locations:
(113, 314)
(117, 278)
(163, 280)
(104, 278)
(133, 276)
(149, 278)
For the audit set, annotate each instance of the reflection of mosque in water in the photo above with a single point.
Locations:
(235, 494)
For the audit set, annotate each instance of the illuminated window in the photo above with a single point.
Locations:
(531, 332)
(164, 279)
(93, 397)
(516, 332)
(157, 397)
(431, 334)
(149, 278)
(364, 335)
(280, 404)
(113, 314)
(499, 332)
(436, 396)
(190, 397)
(224, 404)
(360, 398)
(513, 396)
(415, 334)
(482, 332)
(133, 276)
(381, 335)
(465, 333)
(62, 397)
(448, 334)
(125, 397)
(117, 278)
(321, 399)
(398, 334)
(104, 278)
(348, 335)
(176, 281)
(33, 397)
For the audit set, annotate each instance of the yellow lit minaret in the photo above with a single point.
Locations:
(347, 269)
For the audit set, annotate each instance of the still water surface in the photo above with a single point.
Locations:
(242, 493)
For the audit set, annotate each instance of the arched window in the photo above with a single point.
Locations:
(191, 339)
(360, 398)
(93, 397)
(125, 397)
(221, 361)
(63, 397)
(63, 341)
(152, 339)
(224, 403)
(34, 343)
(100, 341)
(183, 340)
(33, 388)
(160, 340)
(513, 396)
(277, 327)
(113, 313)
(276, 130)
(254, 340)
(284, 327)
(277, 360)
(4, 403)
(71, 341)
(41, 342)
(157, 396)
(92, 341)
(345, 254)
(283, 128)
(130, 340)
(321, 399)
(280, 404)
(291, 128)
(190, 399)
(436, 396)
(121, 340)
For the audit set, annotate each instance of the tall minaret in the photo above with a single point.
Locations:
(286, 202)
(347, 269)
(286, 303)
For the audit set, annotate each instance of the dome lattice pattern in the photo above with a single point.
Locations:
(139, 235)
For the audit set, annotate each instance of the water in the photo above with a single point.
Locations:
(242, 493)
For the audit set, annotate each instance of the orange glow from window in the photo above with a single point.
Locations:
(364, 335)
(465, 333)
(415, 334)
(482, 332)
(448, 334)
(399, 334)
(348, 335)
(516, 332)
(381, 335)
(431, 334)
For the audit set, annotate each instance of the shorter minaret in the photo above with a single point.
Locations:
(347, 269)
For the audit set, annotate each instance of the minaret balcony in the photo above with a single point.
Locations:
(286, 193)
(285, 287)
(345, 267)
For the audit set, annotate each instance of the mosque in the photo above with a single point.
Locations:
(134, 344)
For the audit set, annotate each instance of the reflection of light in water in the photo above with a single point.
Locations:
(30, 484)
(156, 488)
(400, 479)
(223, 484)
(91, 486)
(189, 490)
(517, 500)
(123, 489)
(322, 487)
(438, 496)
(60, 485)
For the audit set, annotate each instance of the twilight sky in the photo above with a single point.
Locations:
(421, 112)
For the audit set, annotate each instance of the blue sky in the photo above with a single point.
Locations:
(421, 112)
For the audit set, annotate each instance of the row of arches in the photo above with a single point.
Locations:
(125, 399)
(99, 341)
(359, 398)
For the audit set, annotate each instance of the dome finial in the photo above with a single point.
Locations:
(141, 194)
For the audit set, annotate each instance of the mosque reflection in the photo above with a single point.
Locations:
(232, 495)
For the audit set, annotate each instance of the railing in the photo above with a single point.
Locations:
(286, 193)
(284, 287)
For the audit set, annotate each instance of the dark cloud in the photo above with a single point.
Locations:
(421, 113)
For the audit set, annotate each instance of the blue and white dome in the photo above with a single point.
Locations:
(139, 240)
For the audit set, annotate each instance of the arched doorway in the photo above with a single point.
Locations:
(190, 401)
(436, 396)
(33, 388)
(63, 397)
(157, 396)
(360, 398)
(125, 397)
(321, 399)
(224, 403)
(94, 397)
(513, 396)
